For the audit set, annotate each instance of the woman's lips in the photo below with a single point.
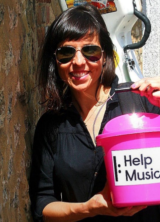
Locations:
(79, 75)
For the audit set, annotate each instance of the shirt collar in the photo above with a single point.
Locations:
(114, 99)
(112, 92)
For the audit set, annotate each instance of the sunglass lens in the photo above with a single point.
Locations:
(92, 52)
(65, 54)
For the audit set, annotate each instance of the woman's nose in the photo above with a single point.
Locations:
(78, 58)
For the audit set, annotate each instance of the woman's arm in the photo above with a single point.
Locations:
(65, 212)
(41, 184)
(99, 204)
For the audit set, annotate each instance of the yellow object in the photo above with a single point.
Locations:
(70, 3)
(116, 58)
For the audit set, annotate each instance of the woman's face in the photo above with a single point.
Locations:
(80, 74)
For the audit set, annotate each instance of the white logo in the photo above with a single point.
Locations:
(137, 166)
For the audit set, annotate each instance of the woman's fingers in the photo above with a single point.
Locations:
(147, 84)
(101, 204)
(150, 88)
(156, 94)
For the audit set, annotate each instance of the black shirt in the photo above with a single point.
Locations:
(67, 166)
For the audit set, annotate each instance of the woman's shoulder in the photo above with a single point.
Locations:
(51, 115)
(50, 119)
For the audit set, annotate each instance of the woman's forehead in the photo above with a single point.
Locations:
(87, 38)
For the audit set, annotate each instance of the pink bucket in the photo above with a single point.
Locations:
(131, 145)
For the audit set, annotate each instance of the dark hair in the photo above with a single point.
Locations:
(72, 24)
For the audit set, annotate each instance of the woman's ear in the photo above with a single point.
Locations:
(104, 59)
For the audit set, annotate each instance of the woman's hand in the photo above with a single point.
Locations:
(101, 204)
(149, 87)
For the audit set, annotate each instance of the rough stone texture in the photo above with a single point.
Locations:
(151, 51)
(149, 55)
(22, 28)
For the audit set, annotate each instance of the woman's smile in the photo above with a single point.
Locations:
(79, 75)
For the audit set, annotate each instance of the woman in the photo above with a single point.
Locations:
(77, 74)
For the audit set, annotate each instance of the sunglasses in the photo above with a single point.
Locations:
(66, 53)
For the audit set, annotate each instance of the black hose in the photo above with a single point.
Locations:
(147, 32)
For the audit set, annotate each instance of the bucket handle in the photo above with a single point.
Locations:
(147, 32)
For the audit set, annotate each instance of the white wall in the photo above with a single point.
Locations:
(151, 51)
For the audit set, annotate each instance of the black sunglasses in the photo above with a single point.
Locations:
(66, 53)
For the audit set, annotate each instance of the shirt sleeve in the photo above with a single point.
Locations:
(41, 186)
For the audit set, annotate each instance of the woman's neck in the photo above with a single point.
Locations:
(85, 101)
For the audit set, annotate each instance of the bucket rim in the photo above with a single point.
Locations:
(127, 132)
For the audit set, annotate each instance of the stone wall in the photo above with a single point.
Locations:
(151, 51)
(22, 28)
(149, 56)
(23, 24)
